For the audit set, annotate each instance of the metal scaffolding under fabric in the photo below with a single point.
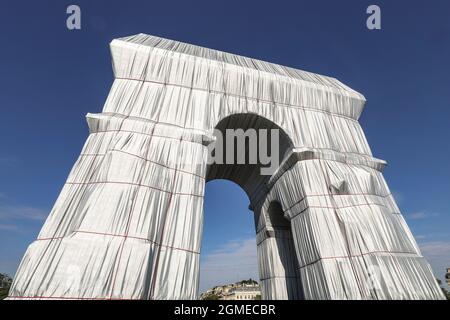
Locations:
(128, 222)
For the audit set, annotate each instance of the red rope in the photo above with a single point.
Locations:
(134, 184)
(121, 236)
(143, 158)
(243, 97)
(359, 255)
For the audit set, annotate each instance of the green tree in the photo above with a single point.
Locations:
(445, 291)
(211, 296)
(249, 281)
(5, 284)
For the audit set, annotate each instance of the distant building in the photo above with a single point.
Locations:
(247, 292)
(244, 290)
(447, 276)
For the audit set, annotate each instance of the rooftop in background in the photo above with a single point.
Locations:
(232, 291)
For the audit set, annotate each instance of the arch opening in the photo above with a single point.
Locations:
(228, 250)
(274, 143)
(245, 137)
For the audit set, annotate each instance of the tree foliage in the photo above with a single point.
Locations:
(211, 296)
(445, 291)
(249, 282)
(5, 284)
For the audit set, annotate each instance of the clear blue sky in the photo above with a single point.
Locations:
(51, 77)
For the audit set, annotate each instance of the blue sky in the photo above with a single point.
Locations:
(51, 77)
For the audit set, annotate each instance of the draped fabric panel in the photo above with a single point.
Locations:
(128, 221)
(350, 238)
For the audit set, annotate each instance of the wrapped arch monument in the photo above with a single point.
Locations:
(128, 221)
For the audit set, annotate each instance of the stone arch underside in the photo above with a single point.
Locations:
(248, 175)
(127, 223)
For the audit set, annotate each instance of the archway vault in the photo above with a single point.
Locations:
(127, 224)
(248, 175)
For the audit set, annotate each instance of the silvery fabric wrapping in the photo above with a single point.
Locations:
(128, 221)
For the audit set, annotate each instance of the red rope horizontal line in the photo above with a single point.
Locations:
(143, 158)
(358, 256)
(281, 277)
(332, 195)
(286, 105)
(67, 298)
(343, 207)
(145, 134)
(121, 236)
(134, 184)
